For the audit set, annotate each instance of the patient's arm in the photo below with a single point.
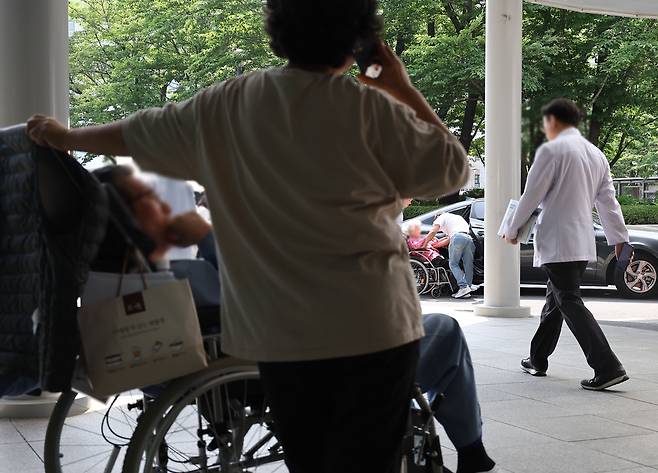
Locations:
(430, 236)
(187, 229)
(440, 243)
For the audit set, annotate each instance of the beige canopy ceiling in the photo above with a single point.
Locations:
(635, 8)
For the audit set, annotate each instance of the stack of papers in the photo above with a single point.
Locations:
(527, 229)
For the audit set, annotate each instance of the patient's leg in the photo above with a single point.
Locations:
(445, 367)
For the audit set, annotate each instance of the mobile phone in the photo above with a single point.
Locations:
(625, 257)
(366, 53)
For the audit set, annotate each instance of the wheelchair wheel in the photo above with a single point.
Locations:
(214, 421)
(93, 442)
(421, 274)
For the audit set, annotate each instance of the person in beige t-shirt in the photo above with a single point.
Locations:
(304, 170)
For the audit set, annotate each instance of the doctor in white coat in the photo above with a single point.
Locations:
(567, 179)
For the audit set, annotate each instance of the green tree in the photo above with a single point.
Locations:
(131, 54)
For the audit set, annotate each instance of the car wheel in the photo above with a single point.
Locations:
(639, 280)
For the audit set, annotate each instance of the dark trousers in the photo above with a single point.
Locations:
(345, 415)
(563, 301)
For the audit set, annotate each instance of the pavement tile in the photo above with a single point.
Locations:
(8, 433)
(489, 375)
(600, 403)
(513, 410)
(642, 469)
(653, 377)
(498, 434)
(84, 456)
(640, 449)
(17, 458)
(577, 428)
(450, 460)
(647, 419)
(650, 396)
(489, 393)
(634, 384)
(565, 371)
(542, 388)
(31, 429)
(556, 457)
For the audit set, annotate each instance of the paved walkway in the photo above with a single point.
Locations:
(536, 425)
(532, 425)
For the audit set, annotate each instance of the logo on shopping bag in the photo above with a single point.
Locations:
(134, 303)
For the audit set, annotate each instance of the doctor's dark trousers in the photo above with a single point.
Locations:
(564, 302)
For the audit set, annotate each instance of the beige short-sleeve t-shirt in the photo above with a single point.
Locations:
(304, 174)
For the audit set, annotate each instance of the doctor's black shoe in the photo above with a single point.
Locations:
(601, 382)
(527, 366)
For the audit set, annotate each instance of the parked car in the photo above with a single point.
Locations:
(639, 281)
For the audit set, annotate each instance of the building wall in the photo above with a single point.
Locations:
(477, 175)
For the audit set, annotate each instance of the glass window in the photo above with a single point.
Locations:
(428, 220)
(462, 211)
(477, 210)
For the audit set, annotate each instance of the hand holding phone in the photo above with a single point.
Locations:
(366, 54)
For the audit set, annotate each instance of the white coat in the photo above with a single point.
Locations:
(568, 178)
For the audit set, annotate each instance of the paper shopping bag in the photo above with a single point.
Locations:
(141, 338)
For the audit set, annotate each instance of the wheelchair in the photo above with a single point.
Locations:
(435, 279)
(422, 447)
(214, 420)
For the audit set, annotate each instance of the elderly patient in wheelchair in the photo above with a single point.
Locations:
(427, 245)
(156, 221)
(445, 370)
(430, 268)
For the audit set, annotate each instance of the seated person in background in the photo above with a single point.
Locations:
(445, 368)
(427, 245)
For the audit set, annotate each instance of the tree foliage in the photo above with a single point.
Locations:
(130, 54)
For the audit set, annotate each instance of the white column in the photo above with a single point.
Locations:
(33, 59)
(502, 295)
(33, 79)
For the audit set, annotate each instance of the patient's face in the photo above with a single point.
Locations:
(153, 214)
(414, 231)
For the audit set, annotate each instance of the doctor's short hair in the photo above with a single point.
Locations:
(564, 110)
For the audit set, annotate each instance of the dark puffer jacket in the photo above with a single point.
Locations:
(53, 216)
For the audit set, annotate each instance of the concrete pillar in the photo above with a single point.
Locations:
(502, 293)
(34, 74)
(33, 79)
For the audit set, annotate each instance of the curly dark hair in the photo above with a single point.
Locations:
(319, 33)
